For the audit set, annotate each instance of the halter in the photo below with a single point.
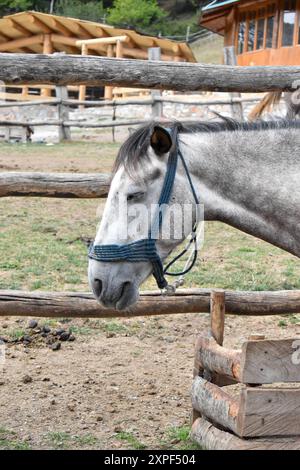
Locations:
(146, 249)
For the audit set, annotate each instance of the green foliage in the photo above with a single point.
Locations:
(92, 10)
(168, 18)
(7, 6)
(14, 6)
(136, 13)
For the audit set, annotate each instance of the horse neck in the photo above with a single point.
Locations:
(249, 180)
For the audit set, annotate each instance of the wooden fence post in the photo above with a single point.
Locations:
(82, 88)
(217, 315)
(47, 49)
(108, 90)
(230, 59)
(217, 323)
(64, 133)
(154, 53)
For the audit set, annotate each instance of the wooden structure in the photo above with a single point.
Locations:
(259, 416)
(177, 76)
(264, 32)
(40, 33)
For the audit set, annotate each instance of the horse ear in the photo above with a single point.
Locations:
(161, 141)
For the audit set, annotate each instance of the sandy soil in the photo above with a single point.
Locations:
(106, 388)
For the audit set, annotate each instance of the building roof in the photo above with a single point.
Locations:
(214, 15)
(216, 4)
(16, 32)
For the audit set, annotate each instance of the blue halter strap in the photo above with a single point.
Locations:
(146, 250)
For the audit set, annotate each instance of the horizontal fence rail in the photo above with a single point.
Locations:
(79, 124)
(116, 103)
(60, 185)
(77, 304)
(98, 71)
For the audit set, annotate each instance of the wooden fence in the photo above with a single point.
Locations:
(100, 71)
(82, 304)
(58, 70)
(64, 106)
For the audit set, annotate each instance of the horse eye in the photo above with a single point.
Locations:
(134, 196)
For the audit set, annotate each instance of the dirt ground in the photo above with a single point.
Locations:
(122, 383)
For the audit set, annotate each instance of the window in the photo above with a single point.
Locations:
(256, 28)
(251, 35)
(289, 20)
(241, 34)
(270, 28)
(260, 33)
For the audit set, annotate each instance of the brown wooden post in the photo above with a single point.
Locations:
(217, 315)
(47, 49)
(64, 133)
(217, 323)
(230, 59)
(154, 53)
(25, 92)
(108, 91)
(119, 50)
(82, 88)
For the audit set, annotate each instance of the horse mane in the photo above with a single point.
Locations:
(133, 152)
(269, 101)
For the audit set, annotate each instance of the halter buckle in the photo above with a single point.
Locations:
(169, 290)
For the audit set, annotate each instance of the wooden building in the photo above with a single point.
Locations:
(265, 32)
(36, 33)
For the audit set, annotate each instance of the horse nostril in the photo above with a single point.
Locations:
(97, 287)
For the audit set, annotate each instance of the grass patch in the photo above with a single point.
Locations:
(131, 440)
(9, 441)
(64, 440)
(15, 334)
(178, 438)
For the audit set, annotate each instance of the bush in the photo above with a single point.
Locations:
(135, 13)
(91, 10)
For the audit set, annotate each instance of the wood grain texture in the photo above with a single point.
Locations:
(258, 362)
(217, 315)
(269, 412)
(266, 362)
(215, 404)
(60, 185)
(98, 71)
(215, 358)
(64, 304)
(210, 437)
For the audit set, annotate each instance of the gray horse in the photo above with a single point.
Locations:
(246, 175)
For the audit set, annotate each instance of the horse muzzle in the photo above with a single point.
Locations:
(113, 285)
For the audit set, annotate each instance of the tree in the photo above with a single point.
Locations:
(85, 10)
(14, 6)
(135, 13)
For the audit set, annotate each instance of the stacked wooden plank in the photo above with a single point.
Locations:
(265, 414)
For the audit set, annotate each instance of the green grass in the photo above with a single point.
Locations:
(131, 440)
(9, 441)
(64, 440)
(178, 438)
(14, 333)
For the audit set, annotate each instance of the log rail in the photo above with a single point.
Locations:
(151, 303)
